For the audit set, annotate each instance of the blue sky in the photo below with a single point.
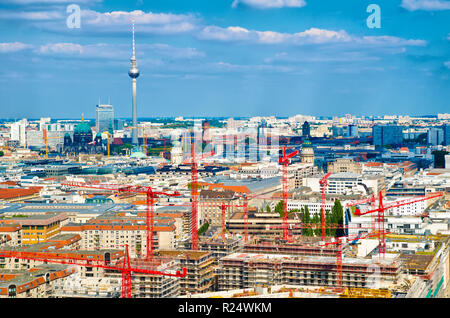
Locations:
(225, 58)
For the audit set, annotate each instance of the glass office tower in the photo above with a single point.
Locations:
(104, 117)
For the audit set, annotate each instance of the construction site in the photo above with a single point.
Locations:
(218, 240)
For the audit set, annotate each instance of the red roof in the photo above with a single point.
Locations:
(117, 141)
(17, 193)
(12, 183)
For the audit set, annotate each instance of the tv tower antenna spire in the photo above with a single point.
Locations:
(134, 74)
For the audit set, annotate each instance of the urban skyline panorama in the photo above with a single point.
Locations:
(225, 156)
(225, 58)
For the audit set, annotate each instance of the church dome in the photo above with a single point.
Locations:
(138, 154)
(82, 128)
(307, 144)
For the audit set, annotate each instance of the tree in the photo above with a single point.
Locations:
(316, 221)
(203, 228)
(279, 208)
(1, 153)
(338, 218)
(306, 219)
(329, 220)
(268, 208)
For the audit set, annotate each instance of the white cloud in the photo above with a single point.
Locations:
(9, 47)
(385, 40)
(427, 5)
(147, 22)
(225, 34)
(61, 48)
(172, 52)
(32, 15)
(447, 64)
(121, 53)
(270, 4)
(94, 22)
(228, 67)
(48, 2)
(310, 36)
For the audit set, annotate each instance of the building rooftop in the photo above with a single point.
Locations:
(34, 277)
(254, 185)
(309, 259)
(12, 193)
(81, 208)
(183, 254)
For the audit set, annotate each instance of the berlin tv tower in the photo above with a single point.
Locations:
(134, 73)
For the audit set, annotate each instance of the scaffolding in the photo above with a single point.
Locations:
(365, 293)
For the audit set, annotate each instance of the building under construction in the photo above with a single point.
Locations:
(262, 223)
(302, 246)
(216, 246)
(199, 269)
(247, 270)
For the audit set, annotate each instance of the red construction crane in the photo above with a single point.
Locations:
(362, 201)
(244, 205)
(223, 207)
(294, 226)
(380, 215)
(126, 268)
(194, 191)
(339, 246)
(323, 183)
(285, 160)
(150, 194)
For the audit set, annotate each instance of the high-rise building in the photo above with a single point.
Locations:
(435, 136)
(104, 117)
(338, 131)
(18, 131)
(134, 74)
(446, 129)
(118, 124)
(43, 123)
(352, 130)
(387, 135)
(306, 129)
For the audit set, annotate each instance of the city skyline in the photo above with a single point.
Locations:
(226, 59)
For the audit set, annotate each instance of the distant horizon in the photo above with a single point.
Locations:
(228, 58)
(214, 117)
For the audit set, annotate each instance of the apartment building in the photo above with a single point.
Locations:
(36, 283)
(200, 269)
(262, 223)
(114, 234)
(301, 246)
(393, 224)
(344, 165)
(63, 248)
(297, 172)
(148, 285)
(10, 233)
(34, 228)
(313, 207)
(216, 246)
(247, 270)
(210, 205)
(78, 286)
